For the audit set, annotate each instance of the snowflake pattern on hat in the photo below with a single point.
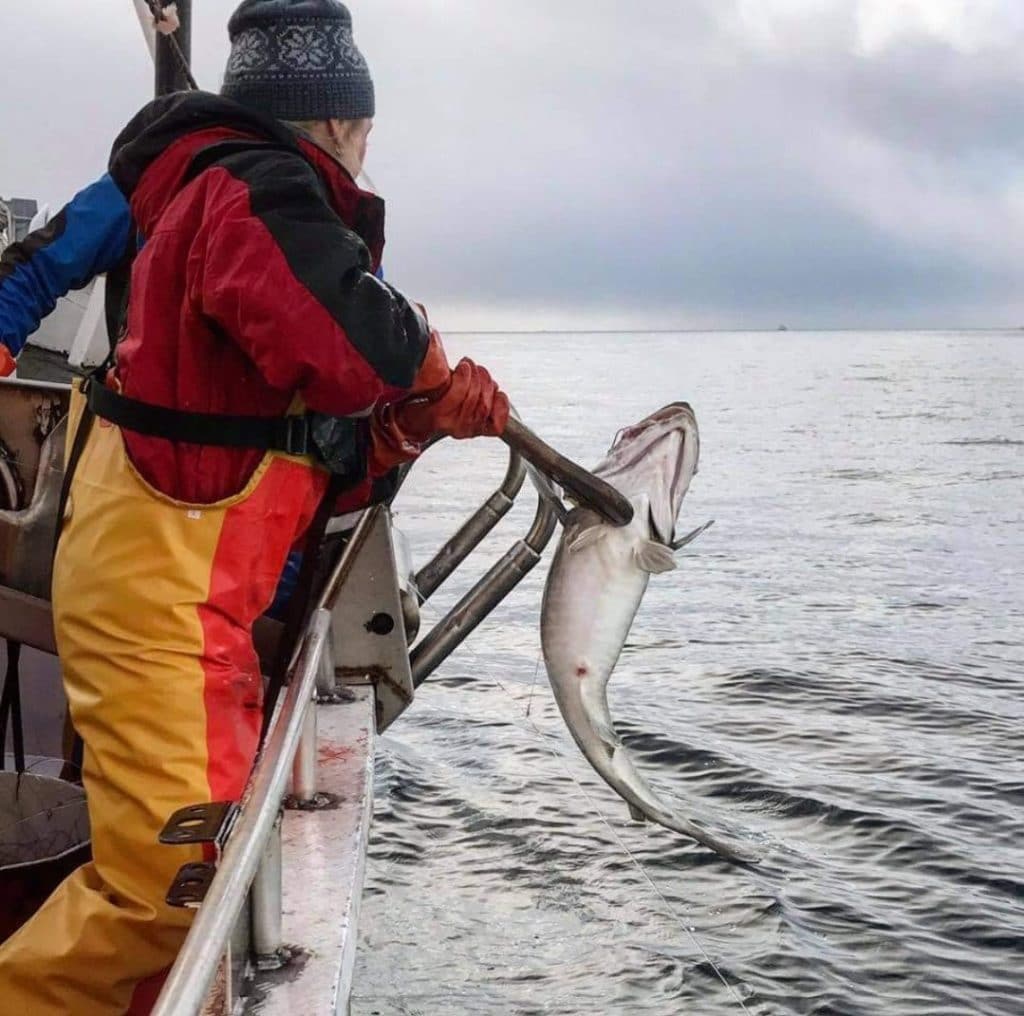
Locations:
(305, 48)
(346, 45)
(250, 52)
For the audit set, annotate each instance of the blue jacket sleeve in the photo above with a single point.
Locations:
(87, 237)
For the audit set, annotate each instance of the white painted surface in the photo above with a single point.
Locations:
(324, 855)
(40, 219)
(57, 331)
(90, 344)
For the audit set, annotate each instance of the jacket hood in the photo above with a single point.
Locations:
(151, 158)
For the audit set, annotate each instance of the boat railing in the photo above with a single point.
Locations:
(518, 561)
(249, 869)
(193, 973)
(473, 531)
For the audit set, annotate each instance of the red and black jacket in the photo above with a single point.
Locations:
(254, 285)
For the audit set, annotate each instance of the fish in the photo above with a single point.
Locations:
(594, 588)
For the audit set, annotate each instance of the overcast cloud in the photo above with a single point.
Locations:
(696, 163)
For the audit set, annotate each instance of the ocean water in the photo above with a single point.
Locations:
(835, 673)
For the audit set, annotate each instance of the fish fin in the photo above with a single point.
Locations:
(608, 735)
(586, 538)
(636, 814)
(690, 537)
(654, 557)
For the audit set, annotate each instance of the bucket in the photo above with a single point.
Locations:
(44, 837)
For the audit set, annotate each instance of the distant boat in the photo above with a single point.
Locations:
(782, 328)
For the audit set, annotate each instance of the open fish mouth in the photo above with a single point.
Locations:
(658, 457)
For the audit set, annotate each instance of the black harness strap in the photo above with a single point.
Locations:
(77, 447)
(288, 434)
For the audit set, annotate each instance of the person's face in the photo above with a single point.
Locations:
(351, 139)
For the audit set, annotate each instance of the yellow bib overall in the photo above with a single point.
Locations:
(154, 602)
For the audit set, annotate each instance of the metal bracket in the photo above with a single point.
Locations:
(367, 631)
(200, 823)
(191, 884)
(28, 415)
(195, 825)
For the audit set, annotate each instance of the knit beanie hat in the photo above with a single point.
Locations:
(296, 60)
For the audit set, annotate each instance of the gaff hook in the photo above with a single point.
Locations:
(582, 486)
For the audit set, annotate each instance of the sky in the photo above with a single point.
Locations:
(657, 163)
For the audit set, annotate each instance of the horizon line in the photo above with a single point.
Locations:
(720, 331)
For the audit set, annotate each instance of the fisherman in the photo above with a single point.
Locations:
(253, 294)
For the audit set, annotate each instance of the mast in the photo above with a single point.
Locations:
(171, 76)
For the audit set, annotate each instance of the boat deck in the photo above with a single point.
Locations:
(324, 857)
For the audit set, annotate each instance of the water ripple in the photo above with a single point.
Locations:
(836, 674)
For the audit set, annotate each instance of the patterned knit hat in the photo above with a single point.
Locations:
(296, 60)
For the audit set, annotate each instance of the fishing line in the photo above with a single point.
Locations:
(545, 739)
(536, 671)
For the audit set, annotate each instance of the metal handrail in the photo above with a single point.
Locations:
(520, 559)
(473, 531)
(189, 981)
(456, 626)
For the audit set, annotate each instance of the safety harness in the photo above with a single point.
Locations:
(289, 434)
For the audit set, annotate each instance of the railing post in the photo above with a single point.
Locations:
(326, 682)
(267, 935)
(304, 766)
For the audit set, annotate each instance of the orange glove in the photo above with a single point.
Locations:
(461, 403)
(435, 371)
(6, 361)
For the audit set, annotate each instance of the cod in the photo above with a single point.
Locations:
(597, 580)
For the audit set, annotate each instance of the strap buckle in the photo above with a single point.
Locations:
(296, 435)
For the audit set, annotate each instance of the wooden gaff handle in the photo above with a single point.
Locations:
(581, 485)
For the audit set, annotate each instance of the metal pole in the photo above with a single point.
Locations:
(146, 20)
(304, 767)
(327, 683)
(170, 75)
(586, 488)
(267, 934)
(473, 532)
(463, 618)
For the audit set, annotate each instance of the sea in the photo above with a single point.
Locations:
(834, 675)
